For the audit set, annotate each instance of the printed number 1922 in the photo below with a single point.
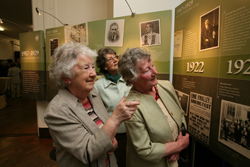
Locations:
(197, 67)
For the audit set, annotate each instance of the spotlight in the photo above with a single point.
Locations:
(38, 12)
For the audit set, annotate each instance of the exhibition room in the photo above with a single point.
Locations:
(125, 83)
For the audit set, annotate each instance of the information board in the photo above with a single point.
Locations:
(212, 60)
(33, 65)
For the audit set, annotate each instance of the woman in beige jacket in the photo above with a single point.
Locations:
(154, 135)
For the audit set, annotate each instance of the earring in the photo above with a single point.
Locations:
(69, 82)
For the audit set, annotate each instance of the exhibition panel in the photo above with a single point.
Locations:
(211, 75)
(32, 54)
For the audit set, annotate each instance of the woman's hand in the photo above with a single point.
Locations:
(174, 148)
(173, 157)
(183, 141)
(125, 110)
(115, 144)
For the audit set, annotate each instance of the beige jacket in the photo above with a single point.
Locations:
(148, 129)
(71, 128)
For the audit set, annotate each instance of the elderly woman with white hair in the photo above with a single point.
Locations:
(153, 133)
(82, 131)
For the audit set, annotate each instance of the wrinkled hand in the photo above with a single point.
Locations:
(173, 157)
(125, 110)
(183, 140)
(115, 144)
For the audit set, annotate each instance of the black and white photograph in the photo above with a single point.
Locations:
(77, 33)
(150, 33)
(53, 45)
(114, 32)
(184, 100)
(210, 29)
(234, 127)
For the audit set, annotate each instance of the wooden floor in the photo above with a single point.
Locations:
(20, 145)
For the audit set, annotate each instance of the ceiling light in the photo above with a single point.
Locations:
(1, 29)
(39, 13)
(1, 21)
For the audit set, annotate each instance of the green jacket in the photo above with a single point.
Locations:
(148, 129)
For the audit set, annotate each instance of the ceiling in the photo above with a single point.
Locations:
(18, 16)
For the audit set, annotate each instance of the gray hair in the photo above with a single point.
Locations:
(129, 62)
(64, 59)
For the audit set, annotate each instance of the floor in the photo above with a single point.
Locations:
(19, 142)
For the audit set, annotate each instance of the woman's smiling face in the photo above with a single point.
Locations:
(146, 74)
(84, 79)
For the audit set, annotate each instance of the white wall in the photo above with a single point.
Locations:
(121, 8)
(69, 12)
(7, 47)
(143, 6)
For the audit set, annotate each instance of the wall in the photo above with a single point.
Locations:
(7, 47)
(143, 6)
(69, 12)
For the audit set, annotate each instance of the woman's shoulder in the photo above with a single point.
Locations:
(165, 84)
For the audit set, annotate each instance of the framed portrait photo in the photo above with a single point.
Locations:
(114, 32)
(210, 29)
(150, 33)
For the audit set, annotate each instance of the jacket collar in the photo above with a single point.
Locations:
(71, 99)
(107, 82)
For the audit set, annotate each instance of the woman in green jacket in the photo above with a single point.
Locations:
(153, 133)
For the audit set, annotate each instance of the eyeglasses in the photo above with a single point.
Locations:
(112, 58)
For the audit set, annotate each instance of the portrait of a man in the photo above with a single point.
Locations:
(150, 33)
(209, 36)
(114, 32)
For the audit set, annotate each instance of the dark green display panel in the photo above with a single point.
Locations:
(33, 65)
(216, 73)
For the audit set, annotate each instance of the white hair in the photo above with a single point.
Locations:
(64, 59)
